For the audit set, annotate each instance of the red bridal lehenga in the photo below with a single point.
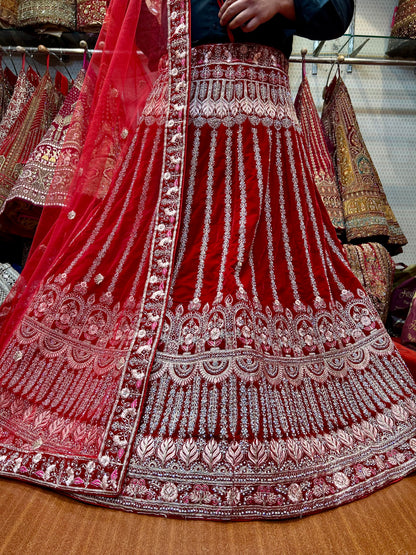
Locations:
(189, 340)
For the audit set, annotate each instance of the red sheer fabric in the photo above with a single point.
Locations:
(107, 309)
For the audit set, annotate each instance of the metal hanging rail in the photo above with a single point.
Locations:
(354, 61)
(295, 58)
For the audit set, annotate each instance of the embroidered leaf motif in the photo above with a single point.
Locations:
(411, 406)
(211, 454)
(399, 413)
(345, 438)
(16, 408)
(369, 430)
(56, 426)
(66, 431)
(277, 452)
(79, 433)
(91, 437)
(358, 432)
(166, 450)
(234, 455)
(257, 453)
(332, 442)
(294, 449)
(385, 423)
(189, 452)
(319, 446)
(42, 420)
(29, 413)
(308, 448)
(4, 401)
(146, 448)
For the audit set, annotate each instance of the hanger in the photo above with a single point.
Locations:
(303, 52)
(83, 44)
(340, 59)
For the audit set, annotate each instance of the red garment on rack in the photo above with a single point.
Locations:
(24, 135)
(23, 90)
(32, 186)
(319, 157)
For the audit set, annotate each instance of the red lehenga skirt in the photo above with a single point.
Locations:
(275, 390)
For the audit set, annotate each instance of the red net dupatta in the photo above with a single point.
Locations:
(87, 314)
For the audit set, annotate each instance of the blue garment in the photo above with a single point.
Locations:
(315, 19)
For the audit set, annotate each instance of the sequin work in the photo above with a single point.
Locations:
(274, 390)
(260, 405)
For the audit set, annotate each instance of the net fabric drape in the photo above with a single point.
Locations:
(188, 339)
(103, 216)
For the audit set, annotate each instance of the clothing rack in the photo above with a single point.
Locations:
(354, 61)
(14, 50)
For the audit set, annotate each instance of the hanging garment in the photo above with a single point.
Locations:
(8, 277)
(24, 135)
(368, 215)
(90, 15)
(32, 185)
(6, 91)
(8, 13)
(404, 288)
(48, 14)
(319, 157)
(403, 32)
(408, 335)
(191, 341)
(404, 24)
(25, 87)
(374, 268)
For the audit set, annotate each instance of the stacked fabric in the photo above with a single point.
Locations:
(53, 15)
(90, 14)
(8, 13)
(404, 25)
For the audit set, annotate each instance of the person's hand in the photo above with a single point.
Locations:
(249, 14)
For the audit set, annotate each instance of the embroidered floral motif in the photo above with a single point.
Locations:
(326, 342)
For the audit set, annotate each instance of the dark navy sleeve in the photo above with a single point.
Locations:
(323, 19)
